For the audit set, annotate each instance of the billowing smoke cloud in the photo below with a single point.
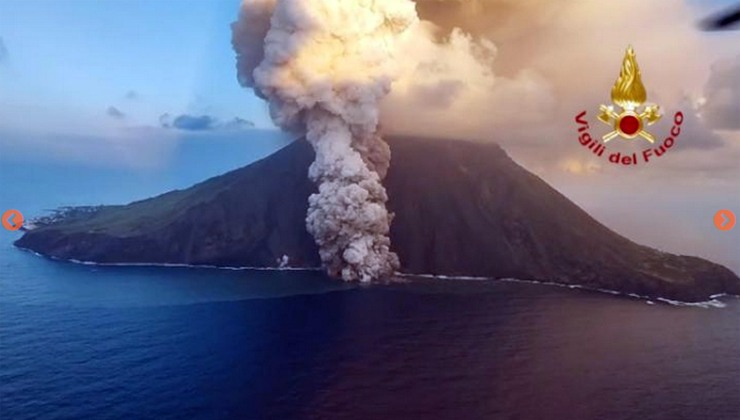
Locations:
(519, 63)
(324, 66)
(516, 71)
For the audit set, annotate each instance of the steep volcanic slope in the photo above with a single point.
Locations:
(461, 209)
(248, 217)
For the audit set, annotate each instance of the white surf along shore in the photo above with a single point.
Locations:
(713, 302)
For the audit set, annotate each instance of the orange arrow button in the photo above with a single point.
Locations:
(724, 220)
(12, 220)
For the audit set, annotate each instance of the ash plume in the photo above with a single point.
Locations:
(324, 66)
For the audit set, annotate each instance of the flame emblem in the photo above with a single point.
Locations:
(628, 91)
(629, 94)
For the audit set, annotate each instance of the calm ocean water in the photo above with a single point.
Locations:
(81, 342)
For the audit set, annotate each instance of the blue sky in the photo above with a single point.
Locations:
(69, 61)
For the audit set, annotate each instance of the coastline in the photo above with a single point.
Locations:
(713, 302)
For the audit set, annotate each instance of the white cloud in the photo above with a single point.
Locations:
(721, 101)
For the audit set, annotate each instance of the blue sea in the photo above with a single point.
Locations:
(79, 342)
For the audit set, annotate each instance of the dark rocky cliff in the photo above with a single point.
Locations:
(461, 209)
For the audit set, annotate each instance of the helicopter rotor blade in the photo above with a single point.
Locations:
(725, 20)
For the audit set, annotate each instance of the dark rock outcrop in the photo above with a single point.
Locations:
(461, 209)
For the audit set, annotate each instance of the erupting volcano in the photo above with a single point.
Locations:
(326, 77)
(458, 208)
